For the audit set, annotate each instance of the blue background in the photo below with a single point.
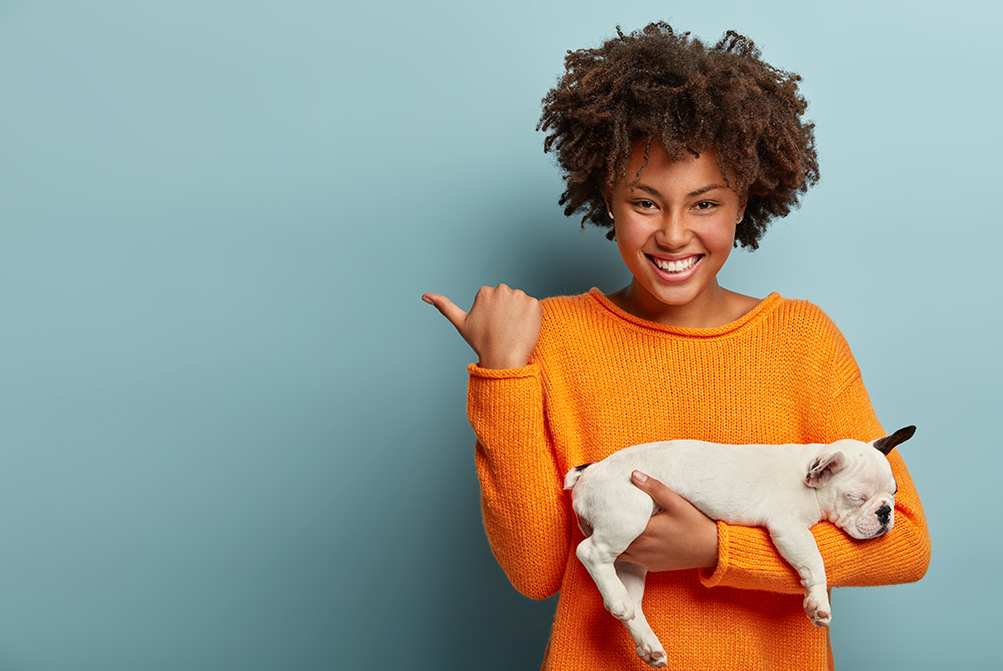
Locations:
(233, 437)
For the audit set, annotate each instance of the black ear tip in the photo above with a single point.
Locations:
(888, 443)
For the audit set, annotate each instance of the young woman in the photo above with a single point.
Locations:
(682, 151)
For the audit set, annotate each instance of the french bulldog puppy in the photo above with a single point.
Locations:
(784, 488)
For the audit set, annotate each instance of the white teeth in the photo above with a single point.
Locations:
(676, 266)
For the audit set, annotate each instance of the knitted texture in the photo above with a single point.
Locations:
(601, 380)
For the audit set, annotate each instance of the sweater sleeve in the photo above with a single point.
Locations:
(526, 515)
(748, 559)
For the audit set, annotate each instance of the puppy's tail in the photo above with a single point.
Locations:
(572, 477)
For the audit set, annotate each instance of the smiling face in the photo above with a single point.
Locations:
(675, 227)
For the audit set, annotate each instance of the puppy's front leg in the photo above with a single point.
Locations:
(798, 547)
(649, 648)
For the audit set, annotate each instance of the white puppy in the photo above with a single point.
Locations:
(785, 488)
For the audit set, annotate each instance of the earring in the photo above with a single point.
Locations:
(609, 213)
(738, 221)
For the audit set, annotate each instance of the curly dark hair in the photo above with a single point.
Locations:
(655, 84)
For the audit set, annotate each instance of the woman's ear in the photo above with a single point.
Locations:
(741, 211)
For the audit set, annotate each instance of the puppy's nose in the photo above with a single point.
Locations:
(883, 513)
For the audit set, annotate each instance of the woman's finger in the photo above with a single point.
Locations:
(661, 494)
(449, 310)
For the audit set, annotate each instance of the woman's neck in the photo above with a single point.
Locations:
(715, 307)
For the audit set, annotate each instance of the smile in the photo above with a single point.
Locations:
(675, 266)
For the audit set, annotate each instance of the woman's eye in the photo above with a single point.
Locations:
(704, 205)
(645, 204)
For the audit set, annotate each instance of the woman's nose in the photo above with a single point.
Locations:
(673, 231)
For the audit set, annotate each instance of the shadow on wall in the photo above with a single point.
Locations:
(480, 618)
(488, 624)
(571, 260)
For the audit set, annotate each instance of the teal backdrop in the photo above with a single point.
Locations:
(233, 437)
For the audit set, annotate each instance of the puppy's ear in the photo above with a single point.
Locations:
(824, 467)
(888, 443)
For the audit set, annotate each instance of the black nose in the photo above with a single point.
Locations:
(883, 513)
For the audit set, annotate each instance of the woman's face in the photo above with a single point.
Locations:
(675, 227)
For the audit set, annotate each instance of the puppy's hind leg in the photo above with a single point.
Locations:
(625, 513)
(649, 648)
(598, 557)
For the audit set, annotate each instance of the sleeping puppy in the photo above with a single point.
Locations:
(784, 488)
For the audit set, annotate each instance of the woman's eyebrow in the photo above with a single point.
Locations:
(692, 194)
(709, 187)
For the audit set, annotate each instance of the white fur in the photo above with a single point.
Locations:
(784, 488)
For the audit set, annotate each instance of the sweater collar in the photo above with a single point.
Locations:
(764, 307)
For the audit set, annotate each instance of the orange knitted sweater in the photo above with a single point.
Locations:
(600, 380)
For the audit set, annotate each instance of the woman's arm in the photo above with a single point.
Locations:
(747, 558)
(526, 515)
(681, 537)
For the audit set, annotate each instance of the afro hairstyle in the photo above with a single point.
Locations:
(656, 85)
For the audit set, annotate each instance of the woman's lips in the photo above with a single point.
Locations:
(675, 270)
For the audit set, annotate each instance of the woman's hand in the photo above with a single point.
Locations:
(677, 537)
(502, 327)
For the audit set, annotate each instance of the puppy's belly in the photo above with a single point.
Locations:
(737, 484)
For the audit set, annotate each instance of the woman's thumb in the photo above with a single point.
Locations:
(448, 309)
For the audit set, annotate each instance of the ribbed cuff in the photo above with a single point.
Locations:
(747, 559)
(712, 578)
(530, 370)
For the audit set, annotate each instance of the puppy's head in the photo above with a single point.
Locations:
(856, 488)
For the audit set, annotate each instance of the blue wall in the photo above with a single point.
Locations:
(232, 436)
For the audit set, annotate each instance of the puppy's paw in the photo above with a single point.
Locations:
(818, 611)
(653, 658)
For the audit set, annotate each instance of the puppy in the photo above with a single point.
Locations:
(784, 488)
